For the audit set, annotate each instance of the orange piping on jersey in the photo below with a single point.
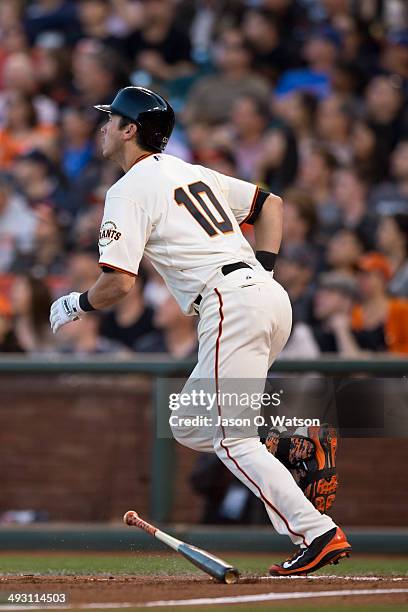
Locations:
(116, 268)
(140, 159)
(252, 206)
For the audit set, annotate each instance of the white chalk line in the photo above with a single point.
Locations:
(334, 576)
(207, 601)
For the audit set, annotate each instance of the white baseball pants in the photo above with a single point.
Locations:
(245, 321)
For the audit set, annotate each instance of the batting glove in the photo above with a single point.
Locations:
(64, 310)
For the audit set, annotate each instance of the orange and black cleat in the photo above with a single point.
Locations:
(327, 548)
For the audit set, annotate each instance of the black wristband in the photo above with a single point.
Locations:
(267, 259)
(84, 303)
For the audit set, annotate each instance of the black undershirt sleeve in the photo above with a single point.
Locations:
(257, 206)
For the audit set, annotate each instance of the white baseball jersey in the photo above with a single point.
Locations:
(184, 217)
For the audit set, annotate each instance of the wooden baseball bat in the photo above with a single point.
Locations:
(217, 568)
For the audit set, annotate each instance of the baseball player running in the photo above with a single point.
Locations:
(186, 219)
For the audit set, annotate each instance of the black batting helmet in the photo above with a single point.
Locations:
(152, 114)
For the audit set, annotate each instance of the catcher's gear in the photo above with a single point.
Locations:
(152, 114)
(311, 460)
(64, 310)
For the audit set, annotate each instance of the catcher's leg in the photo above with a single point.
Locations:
(310, 454)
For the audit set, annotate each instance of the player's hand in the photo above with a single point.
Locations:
(64, 310)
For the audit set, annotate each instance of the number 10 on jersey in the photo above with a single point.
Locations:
(196, 204)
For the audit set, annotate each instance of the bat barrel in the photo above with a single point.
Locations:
(210, 564)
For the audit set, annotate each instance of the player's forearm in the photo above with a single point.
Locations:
(109, 289)
(268, 226)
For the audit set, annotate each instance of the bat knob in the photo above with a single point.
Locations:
(130, 516)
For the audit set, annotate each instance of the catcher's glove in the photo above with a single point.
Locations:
(311, 460)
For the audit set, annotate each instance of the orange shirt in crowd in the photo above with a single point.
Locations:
(395, 327)
(11, 146)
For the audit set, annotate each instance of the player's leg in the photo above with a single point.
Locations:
(238, 328)
(196, 435)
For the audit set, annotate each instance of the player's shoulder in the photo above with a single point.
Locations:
(120, 189)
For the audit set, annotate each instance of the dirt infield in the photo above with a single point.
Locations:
(140, 590)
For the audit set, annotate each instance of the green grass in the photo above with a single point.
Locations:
(155, 564)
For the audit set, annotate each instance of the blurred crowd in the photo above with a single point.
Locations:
(306, 98)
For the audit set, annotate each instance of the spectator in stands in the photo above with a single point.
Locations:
(392, 240)
(370, 154)
(84, 338)
(97, 22)
(98, 73)
(8, 340)
(83, 269)
(298, 110)
(289, 13)
(17, 223)
(177, 336)
(333, 305)
(10, 14)
(211, 99)
(394, 57)
(344, 251)
(385, 110)
(77, 150)
(131, 319)
(294, 269)
(391, 197)
(20, 75)
(399, 166)
(203, 19)
(22, 131)
(58, 17)
(333, 123)
(53, 74)
(316, 176)
(299, 219)
(278, 164)
(320, 52)
(346, 82)
(379, 323)
(12, 36)
(249, 119)
(358, 47)
(31, 302)
(350, 191)
(158, 48)
(40, 184)
(46, 257)
(272, 54)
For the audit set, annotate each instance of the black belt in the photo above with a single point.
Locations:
(227, 269)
